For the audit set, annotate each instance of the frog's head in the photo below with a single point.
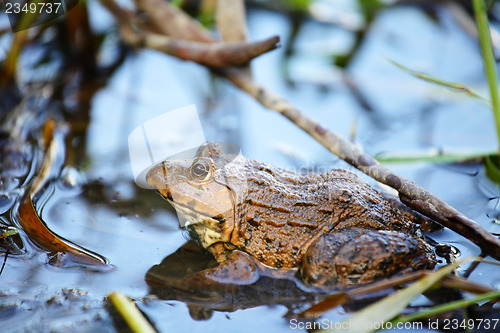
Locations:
(204, 190)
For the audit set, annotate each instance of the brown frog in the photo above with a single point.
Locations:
(333, 228)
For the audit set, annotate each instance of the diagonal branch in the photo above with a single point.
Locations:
(410, 193)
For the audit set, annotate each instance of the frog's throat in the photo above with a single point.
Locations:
(203, 225)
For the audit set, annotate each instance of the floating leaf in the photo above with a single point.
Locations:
(38, 231)
(31, 223)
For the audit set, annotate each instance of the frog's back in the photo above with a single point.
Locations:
(284, 212)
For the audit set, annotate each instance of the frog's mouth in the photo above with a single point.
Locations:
(191, 215)
(206, 229)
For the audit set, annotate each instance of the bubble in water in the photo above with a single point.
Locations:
(71, 178)
(444, 250)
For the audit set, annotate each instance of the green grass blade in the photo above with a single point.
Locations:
(488, 60)
(447, 84)
(491, 167)
(448, 307)
(128, 311)
(10, 231)
(432, 156)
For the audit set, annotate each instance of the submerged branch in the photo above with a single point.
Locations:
(345, 296)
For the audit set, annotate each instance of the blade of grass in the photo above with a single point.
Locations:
(10, 231)
(491, 167)
(432, 156)
(448, 307)
(448, 84)
(374, 316)
(129, 312)
(488, 60)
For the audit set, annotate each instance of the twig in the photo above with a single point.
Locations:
(4, 261)
(231, 21)
(172, 21)
(212, 55)
(124, 17)
(410, 193)
(462, 283)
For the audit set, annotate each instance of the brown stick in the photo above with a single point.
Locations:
(211, 54)
(122, 16)
(410, 193)
(174, 22)
(208, 54)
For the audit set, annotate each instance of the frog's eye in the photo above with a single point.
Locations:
(200, 170)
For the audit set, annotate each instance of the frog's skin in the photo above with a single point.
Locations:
(332, 227)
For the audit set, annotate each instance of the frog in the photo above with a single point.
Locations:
(329, 230)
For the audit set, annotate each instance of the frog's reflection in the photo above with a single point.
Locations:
(178, 277)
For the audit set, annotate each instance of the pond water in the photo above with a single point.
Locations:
(391, 111)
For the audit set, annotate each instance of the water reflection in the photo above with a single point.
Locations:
(169, 281)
